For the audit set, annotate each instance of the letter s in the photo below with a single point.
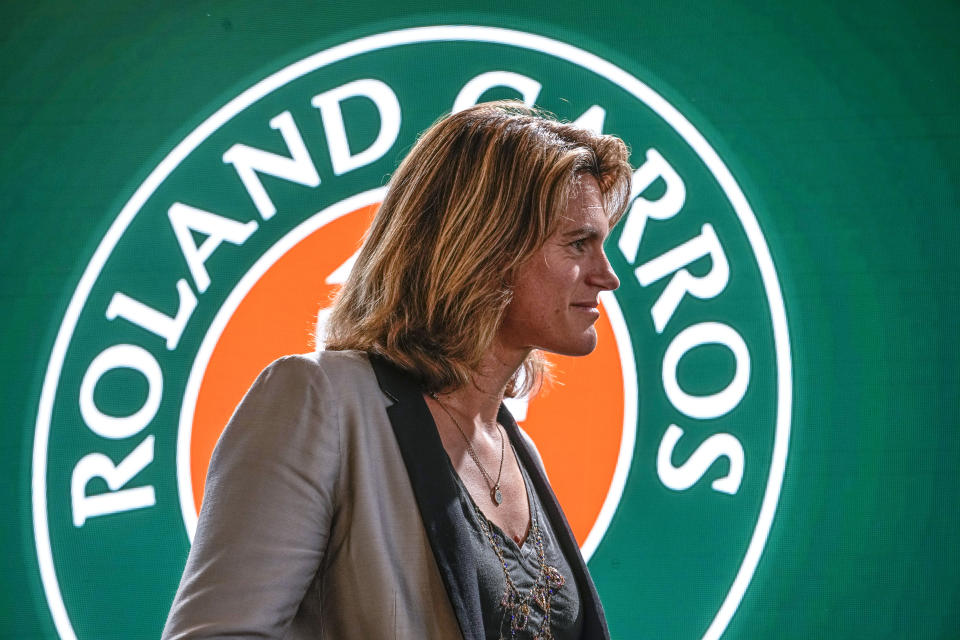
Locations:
(687, 474)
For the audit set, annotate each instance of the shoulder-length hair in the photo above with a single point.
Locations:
(480, 192)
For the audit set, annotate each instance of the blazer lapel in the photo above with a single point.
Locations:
(594, 622)
(435, 490)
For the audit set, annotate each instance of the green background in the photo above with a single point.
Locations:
(840, 123)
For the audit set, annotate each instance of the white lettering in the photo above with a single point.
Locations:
(592, 119)
(388, 107)
(185, 219)
(687, 474)
(97, 465)
(170, 329)
(664, 207)
(683, 281)
(528, 87)
(249, 161)
(717, 404)
(121, 356)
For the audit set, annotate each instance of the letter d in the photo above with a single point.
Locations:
(388, 107)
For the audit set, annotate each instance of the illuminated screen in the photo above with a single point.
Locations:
(764, 443)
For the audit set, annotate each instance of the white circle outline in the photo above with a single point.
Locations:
(492, 35)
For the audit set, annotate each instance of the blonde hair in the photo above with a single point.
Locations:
(481, 191)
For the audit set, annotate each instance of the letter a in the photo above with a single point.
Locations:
(383, 97)
(186, 219)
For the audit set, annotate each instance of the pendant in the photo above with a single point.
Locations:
(496, 495)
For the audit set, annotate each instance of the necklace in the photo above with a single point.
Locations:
(548, 582)
(495, 494)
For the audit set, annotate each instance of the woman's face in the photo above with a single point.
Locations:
(555, 295)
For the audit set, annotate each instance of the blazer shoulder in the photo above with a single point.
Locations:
(323, 367)
(342, 363)
(340, 379)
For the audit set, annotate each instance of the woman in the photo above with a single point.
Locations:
(379, 488)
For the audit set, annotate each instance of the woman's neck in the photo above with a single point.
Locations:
(480, 399)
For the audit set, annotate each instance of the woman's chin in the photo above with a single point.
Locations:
(584, 345)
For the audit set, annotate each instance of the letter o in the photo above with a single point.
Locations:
(126, 356)
(717, 404)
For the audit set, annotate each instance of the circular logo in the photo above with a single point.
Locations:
(666, 446)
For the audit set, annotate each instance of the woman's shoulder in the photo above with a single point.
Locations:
(319, 363)
(300, 395)
(337, 371)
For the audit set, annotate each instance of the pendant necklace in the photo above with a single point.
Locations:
(495, 494)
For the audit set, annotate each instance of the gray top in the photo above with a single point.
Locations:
(524, 567)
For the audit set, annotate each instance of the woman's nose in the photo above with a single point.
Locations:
(605, 277)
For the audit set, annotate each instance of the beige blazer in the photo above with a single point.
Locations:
(328, 514)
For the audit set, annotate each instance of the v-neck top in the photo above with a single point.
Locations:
(523, 564)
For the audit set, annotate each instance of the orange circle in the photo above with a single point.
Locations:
(576, 420)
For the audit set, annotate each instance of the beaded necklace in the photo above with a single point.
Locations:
(548, 581)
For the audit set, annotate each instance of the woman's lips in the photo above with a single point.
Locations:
(587, 307)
